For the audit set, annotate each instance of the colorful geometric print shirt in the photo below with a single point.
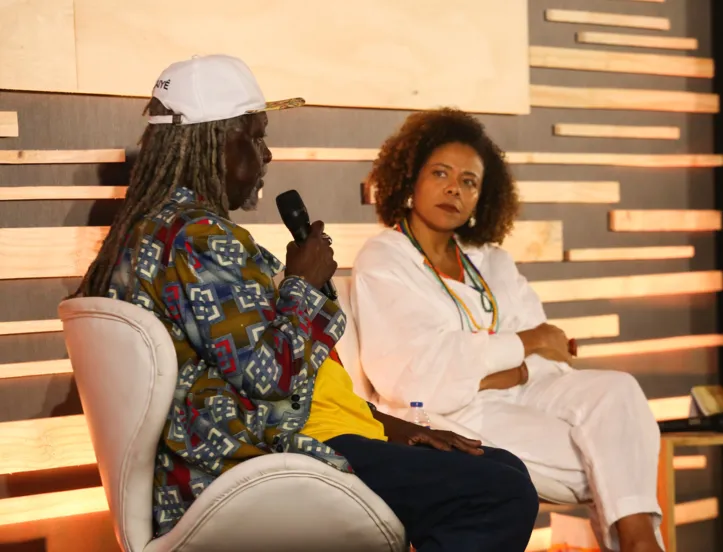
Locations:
(247, 352)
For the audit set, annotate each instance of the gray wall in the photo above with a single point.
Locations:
(331, 191)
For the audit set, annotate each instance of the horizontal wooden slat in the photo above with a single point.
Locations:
(589, 327)
(608, 19)
(670, 408)
(631, 253)
(37, 368)
(569, 192)
(618, 131)
(66, 252)
(646, 346)
(23, 509)
(325, 154)
(693, 462)
(578, 59)
(45, 444)
(665, 221)
(30, 327)
(548, 192)
(8, 124)
(18, 193)
(639, 41)
(617, 159)
(644, 285)
(51, 157)
(622, 98)
(694, 439)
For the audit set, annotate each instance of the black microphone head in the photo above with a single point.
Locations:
(293, 213)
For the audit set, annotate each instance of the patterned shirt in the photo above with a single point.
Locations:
(248, 352)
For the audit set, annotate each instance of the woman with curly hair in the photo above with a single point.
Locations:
(446, 319)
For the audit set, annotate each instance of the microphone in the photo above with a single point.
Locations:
(296, 218)
(712, 423)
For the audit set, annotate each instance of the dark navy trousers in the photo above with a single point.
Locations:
(448, 501)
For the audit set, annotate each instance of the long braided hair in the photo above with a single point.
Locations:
(171, 156)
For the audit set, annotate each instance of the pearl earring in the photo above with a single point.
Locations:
(409, 203)
(472, 221)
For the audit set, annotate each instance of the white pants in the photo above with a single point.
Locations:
(591, 430)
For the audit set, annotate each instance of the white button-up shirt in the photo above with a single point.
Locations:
(413, 344)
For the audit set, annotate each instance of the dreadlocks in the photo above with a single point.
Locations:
(171, 156)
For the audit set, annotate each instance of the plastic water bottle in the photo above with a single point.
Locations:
(417, 415)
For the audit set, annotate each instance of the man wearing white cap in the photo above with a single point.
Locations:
(258, 372)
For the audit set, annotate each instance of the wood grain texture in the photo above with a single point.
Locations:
(618, 287)
(630, 253)
(670, 408)
(694, 439)
(647, 346)
(543, 192)
(29, 193)
(692, 462)
(45, 444)
(52, 157)
(637, 41)
(47, 506)
(22, 327)
(67, 252)
(374, 55)
(37, 45)
(37, 368)
(9, 124)
(622, 98)
(577, 59)
(665, 221)
(660, 161)
(618, 131)
(608, 19)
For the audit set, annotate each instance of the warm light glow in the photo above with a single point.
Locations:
(662, 345)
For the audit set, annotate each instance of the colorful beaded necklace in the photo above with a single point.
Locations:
(489, 303)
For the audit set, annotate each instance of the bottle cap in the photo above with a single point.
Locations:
(416, 404)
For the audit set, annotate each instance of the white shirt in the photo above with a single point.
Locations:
(413, 345)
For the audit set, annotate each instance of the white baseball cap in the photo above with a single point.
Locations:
(211, 88)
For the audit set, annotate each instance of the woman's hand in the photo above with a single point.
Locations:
(505, 379)
(407, 433)
(549, 342)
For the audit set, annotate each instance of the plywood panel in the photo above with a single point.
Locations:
(620, 62)
(8, 123)
(30, 327)
(23, 509)
(618, 131)
(665, 221)
(644, 285)
(608, 19)
(639, 41)
(616, 159)
(37, 45)
(621, 98)
(373, 54)
(696, 511)
(588, 327)
(41, 368)
(45, 444)
(24, 193)
(68, 251)
(647, 346)
(670, 408)
(693, 462)
(34, 157)
(630, 253)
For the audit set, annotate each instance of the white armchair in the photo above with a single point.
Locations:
(125, 368)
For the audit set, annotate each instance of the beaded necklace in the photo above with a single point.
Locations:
(489, 303)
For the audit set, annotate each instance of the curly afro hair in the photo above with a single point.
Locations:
(403, 155)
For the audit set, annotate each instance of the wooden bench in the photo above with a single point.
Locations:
(666, 476)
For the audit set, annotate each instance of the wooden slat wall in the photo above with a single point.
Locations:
(608, 19)
(618, 131)
(631, 253)
(8, 124)
(665, 221)
(44, 157)
(637, 41)
(618, 62)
